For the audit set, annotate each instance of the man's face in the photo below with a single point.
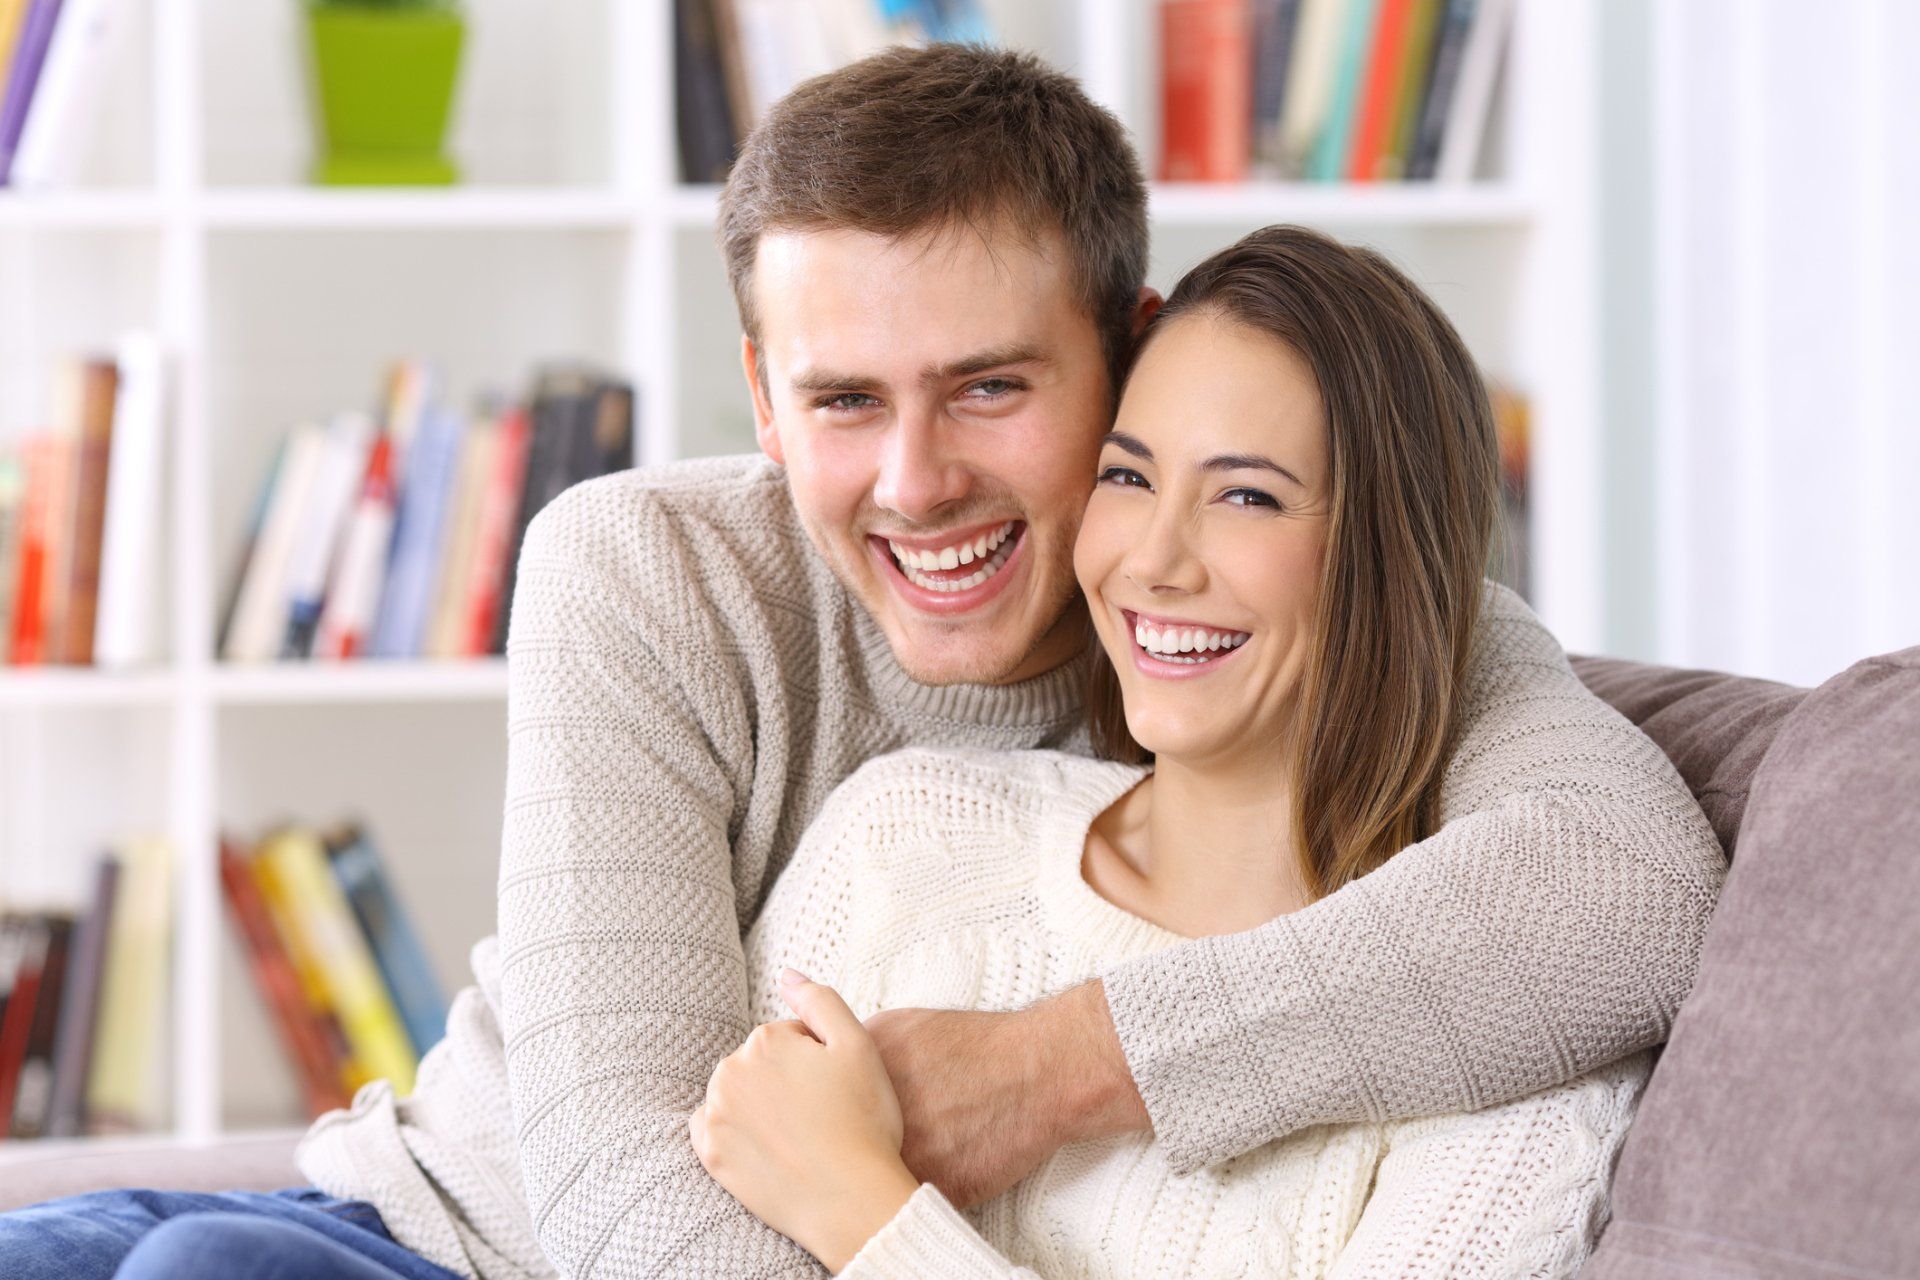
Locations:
(938, 401)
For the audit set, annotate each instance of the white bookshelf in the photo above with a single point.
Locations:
(571, 237)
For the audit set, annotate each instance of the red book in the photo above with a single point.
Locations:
(20, 1010)
(1373, 132)
(1206, 86)
(321, 1077)
(26, 646)
(493, 541)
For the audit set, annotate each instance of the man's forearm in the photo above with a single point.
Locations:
(1079, 1068)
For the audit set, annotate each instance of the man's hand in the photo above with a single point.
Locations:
(987, 1096)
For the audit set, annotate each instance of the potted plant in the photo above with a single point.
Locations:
(383, 75)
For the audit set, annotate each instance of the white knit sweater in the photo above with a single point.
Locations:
(952, 879)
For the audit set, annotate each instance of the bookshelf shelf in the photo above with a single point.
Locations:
(293, 683)
(572, 238)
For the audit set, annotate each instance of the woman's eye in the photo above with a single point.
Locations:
(1126, 476)
(1251, 498)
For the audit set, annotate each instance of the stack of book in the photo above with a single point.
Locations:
(335, 959)
(80, 517)
(1512, 417)
(83, 1004)
(1327, 90)
(54, 57)
(398, 538)
(733, 58)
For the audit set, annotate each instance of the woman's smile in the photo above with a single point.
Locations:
(1178, 648)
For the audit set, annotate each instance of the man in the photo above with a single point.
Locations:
(939, 259)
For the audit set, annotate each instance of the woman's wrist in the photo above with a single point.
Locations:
(868, 1202)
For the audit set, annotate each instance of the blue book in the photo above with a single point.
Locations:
(406, 599)
(402, 961)
(1336, 139)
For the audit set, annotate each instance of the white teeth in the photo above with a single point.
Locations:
(990, 549)
(949, 558)
(1170, 643)
(966, 554)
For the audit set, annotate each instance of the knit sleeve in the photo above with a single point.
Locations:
(1516, 1190)
(929, 1240)
(622, 980)
(1553, 924)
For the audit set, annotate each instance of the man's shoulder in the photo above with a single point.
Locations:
(743, 492)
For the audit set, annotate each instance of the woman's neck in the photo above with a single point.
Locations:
(1200, 850)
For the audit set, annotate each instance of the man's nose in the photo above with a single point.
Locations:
(918, 475)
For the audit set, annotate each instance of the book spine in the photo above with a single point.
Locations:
(1206, 68)
(62, 499)
(546, 456)
(491, 558)
(1274, 23)
(80, 1010)
(1415, 68)
(1330, 152)
(343, 464)
(12, 12)
(126, 631)
(1449, 45)
(29, 55)
(301, 1034)
(260, 615)
(102, 382)
(1370, 133)
(25, 644)
(366, 1012)
(66, 101)
(403, 963)
(290, 926)
(23, 1004)
(1473, 96)
(703, 117)
(353, 597)
(124, 1084)
(445, 632)
(401, 625)
(34, 1096)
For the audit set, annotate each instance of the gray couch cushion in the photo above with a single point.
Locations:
(34, 1171)
(1714, 727)
(1780, 1135)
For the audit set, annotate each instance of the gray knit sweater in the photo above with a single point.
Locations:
(689, 683)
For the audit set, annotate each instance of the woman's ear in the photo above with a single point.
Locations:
(763, 429)
(1144, 307)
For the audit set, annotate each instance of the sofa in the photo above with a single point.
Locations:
(1780, 1133)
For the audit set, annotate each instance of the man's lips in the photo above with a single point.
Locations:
(953, 572)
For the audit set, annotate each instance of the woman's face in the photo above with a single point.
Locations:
(1201, 549)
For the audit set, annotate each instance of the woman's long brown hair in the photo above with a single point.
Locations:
(1414, 497)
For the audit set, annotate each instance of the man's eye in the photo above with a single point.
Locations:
(994, 386)
(846, 401)
(1125, 476)
(1251, 498)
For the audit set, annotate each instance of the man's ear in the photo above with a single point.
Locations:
(1144, 307)
(763, 429)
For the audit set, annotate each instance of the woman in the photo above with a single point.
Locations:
(1282, 557)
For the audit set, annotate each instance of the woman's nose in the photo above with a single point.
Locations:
(1165, 558)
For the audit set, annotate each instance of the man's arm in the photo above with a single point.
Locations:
(622, 976)
(1551, 926)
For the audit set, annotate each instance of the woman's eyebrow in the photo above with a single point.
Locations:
(1248, 461)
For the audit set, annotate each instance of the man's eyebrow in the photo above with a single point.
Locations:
(1218, 462)
(817, 379)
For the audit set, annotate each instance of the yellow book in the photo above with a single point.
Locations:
(339, 956)
(128, 1077)
(12, 13)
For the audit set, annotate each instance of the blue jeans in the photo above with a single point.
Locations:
(299, 1233)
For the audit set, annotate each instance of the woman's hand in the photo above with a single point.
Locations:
(801, 1124)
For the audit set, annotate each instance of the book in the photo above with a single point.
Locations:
(1274, 23)
(311, 1039)
(1336, 137)
(1309, 88)
(40, 474)
(100, 383)
(446, 635)
(400, 627)
(66, 103)
(703, 116)
(13, 492)
(33, 1098)
(261, 611)
(127, 1079)
(73, 1048)
(417, 994)
(1206, 90)
(1450, 43)
(23, 76)
(360, 571)
(256, 522)
(494, 536)
(1374, 119)
(1466, 129)
(1415, 68)
(11, 14)
(336, 482)
(563, 395)
(126, 629)
(315, 909)
(23, 948)
(69, 401)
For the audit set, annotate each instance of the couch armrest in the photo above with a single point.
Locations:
(48, 1169)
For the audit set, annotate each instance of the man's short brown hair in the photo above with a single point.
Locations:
(947, 136)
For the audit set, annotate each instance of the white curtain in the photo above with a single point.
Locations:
(1786, 290)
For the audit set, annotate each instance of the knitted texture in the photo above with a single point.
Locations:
(688, 683)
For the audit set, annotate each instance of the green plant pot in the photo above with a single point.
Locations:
(384, 78)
